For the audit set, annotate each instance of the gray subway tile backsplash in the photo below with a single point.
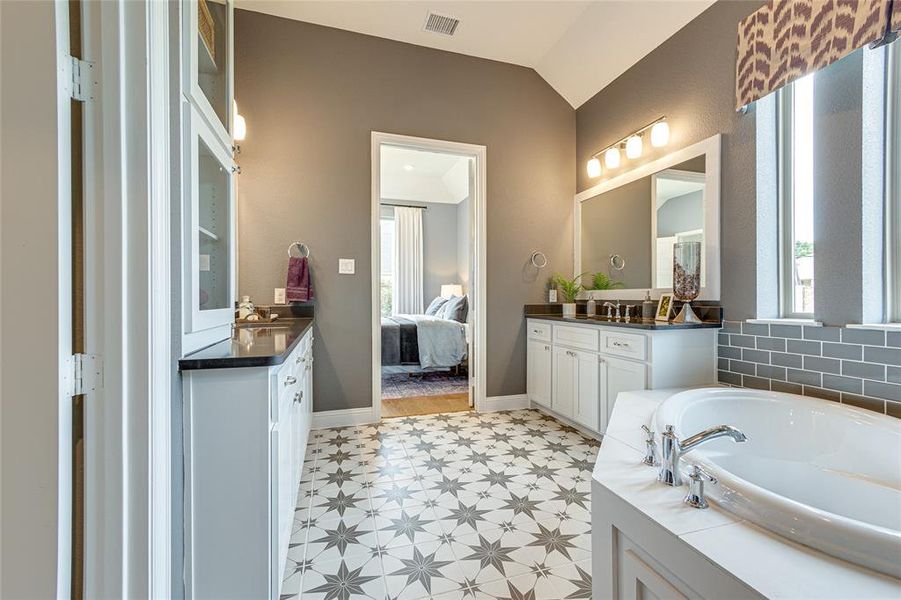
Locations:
(859, 367)
(823, 334)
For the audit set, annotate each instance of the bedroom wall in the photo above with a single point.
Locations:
(312, 95)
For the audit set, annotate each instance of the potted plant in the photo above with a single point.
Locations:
(602, 281)
(569, 289)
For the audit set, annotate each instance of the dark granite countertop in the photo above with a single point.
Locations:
(250, 346)
(634, 324)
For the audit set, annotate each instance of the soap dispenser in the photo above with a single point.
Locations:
(591, 307)
(648, 308)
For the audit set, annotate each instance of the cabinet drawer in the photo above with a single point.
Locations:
(539, 331)
(584, 338)
(628, 345)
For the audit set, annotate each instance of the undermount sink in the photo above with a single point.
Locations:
(817, 472)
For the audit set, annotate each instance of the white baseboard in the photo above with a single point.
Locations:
(343, 418)
(514, 402)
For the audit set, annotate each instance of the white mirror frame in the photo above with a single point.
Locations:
(710, 149)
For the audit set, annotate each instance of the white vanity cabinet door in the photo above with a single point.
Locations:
(620, 376)
(564, 381)
(538, 372)
(588, 386)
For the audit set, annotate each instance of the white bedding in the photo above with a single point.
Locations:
(442, 342)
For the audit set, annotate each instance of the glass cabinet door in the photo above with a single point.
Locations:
(208, 51)
(211, 229)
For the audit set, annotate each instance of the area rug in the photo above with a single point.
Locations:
(425, 384)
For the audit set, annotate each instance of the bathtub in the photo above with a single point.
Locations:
(816, 472)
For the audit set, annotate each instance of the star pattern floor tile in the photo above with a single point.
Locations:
(447, 507)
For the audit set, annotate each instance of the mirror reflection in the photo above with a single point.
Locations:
(628, 232)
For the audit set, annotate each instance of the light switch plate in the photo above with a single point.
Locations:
(204, 262)
(346, 266)
(279, 296)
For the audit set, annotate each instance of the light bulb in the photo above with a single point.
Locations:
(240, 128)
(633, 146)
(611, 158)
(660, 134)
(594, 168)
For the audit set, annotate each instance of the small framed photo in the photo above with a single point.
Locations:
(664, 307)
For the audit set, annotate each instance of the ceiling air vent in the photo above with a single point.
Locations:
(441, 24)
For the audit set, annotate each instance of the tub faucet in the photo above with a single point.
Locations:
(672, 449)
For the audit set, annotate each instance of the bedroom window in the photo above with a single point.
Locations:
(386, 283)
(796, 200)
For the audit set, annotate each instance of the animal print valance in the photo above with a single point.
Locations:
(786, 39)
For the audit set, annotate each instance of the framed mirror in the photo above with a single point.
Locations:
(625, 227)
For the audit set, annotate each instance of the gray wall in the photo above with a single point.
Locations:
(312, 96)
(690, 78)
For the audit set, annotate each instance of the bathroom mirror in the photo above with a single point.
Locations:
(625, 227)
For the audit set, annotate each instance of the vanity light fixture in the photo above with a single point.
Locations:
(633, 145)
(660, 134)
(240, 125)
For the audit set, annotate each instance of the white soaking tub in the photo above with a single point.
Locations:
(817, 472)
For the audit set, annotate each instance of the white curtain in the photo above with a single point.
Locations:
(407, 293)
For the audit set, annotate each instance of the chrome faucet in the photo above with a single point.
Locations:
(672, 449)
(610, 306)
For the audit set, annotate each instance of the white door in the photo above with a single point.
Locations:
(621, 376)
(588, 381)
(564, 381)
(539, 372)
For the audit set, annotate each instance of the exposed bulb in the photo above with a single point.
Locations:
(594, 168)
(633, 146)
(611, 158)
(660, 134)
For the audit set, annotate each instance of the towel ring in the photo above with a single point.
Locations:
(302, 248)
(617, 262)
(538, 259)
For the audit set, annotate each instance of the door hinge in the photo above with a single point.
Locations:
(81, 79)
(85, 374)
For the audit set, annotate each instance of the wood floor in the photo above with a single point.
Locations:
(424, 405)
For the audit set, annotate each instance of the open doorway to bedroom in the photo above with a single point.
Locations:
(426, 194)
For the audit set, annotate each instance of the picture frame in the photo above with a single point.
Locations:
(664, 307)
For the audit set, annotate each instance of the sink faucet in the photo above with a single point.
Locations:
(610, 306)
(672, 449)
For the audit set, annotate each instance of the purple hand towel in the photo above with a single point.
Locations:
(299, 288)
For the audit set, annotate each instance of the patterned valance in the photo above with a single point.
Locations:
(787, 39)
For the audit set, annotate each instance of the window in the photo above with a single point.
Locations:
(386, 283)
(893, 189)
(796, 200)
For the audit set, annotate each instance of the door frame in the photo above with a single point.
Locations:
(478, 295)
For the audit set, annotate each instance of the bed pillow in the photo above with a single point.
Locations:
(435, 306)
(455, 309)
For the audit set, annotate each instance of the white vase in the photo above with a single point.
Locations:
(569, 309)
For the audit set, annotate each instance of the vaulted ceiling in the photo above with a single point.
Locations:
(577, 46)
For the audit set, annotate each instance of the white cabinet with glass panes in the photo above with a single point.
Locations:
(208, 172)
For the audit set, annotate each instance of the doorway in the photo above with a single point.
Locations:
(427, 275)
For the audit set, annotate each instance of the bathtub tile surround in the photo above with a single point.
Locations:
(444, 506)
(860, 367)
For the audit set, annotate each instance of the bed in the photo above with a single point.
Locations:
(422, 342)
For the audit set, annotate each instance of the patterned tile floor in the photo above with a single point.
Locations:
(445, 506)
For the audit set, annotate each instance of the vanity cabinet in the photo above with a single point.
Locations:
(245, 436)
(577, 370)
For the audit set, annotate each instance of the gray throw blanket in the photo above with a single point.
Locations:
(399, 342)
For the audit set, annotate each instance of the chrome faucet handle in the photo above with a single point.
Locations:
(650, 456)
(609, 306)
(629, 308)
(695, 497)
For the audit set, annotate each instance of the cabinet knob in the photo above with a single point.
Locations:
(290, 380)
(298, 397)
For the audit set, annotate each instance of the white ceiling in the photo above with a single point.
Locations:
(577, 46)
(415, 175)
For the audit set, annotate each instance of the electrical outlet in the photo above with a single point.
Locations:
(279, 296)
(204, 262)
(346, 266)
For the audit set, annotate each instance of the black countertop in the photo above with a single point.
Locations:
(634, 324)
(250, 346)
